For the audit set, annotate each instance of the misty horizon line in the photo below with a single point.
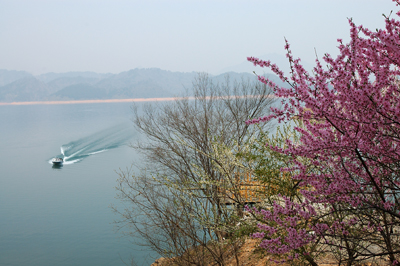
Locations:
(279, 59)
(132, 100)
(136, 68)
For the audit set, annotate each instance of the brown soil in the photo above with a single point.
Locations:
(249, 255)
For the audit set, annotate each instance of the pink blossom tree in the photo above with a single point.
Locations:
(351, 138)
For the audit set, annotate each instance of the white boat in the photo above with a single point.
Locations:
(57, 161)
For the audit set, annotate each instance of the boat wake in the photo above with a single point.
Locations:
(111, 138)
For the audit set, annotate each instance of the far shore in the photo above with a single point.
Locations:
(123, 100)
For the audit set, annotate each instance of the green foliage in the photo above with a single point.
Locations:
(244, 230)
(267, 164)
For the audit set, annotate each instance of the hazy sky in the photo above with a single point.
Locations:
(41, 36)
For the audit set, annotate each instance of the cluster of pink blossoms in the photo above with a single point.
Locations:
(351, 139)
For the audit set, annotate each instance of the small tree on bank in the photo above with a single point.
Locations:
(351, 137)
(175, 204)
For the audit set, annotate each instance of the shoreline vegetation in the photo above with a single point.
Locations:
(175, 201)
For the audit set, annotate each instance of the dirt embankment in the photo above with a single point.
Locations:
(249, 255)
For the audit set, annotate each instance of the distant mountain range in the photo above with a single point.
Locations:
(17, 86)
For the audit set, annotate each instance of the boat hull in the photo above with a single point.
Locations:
(57, 161)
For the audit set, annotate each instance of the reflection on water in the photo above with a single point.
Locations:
(76, 151)
(57, 166)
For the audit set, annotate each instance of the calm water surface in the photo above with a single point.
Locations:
(61, 216)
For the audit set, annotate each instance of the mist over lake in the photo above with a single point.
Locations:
(61, 215)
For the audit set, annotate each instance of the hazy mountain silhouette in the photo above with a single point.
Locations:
(25, 89)
(79, 92)
(47, 77)
(9, 76)
(135, 83)
(146, 83)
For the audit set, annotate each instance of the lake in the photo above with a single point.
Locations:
(61, 216)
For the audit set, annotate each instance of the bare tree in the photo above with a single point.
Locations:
(175, 203)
